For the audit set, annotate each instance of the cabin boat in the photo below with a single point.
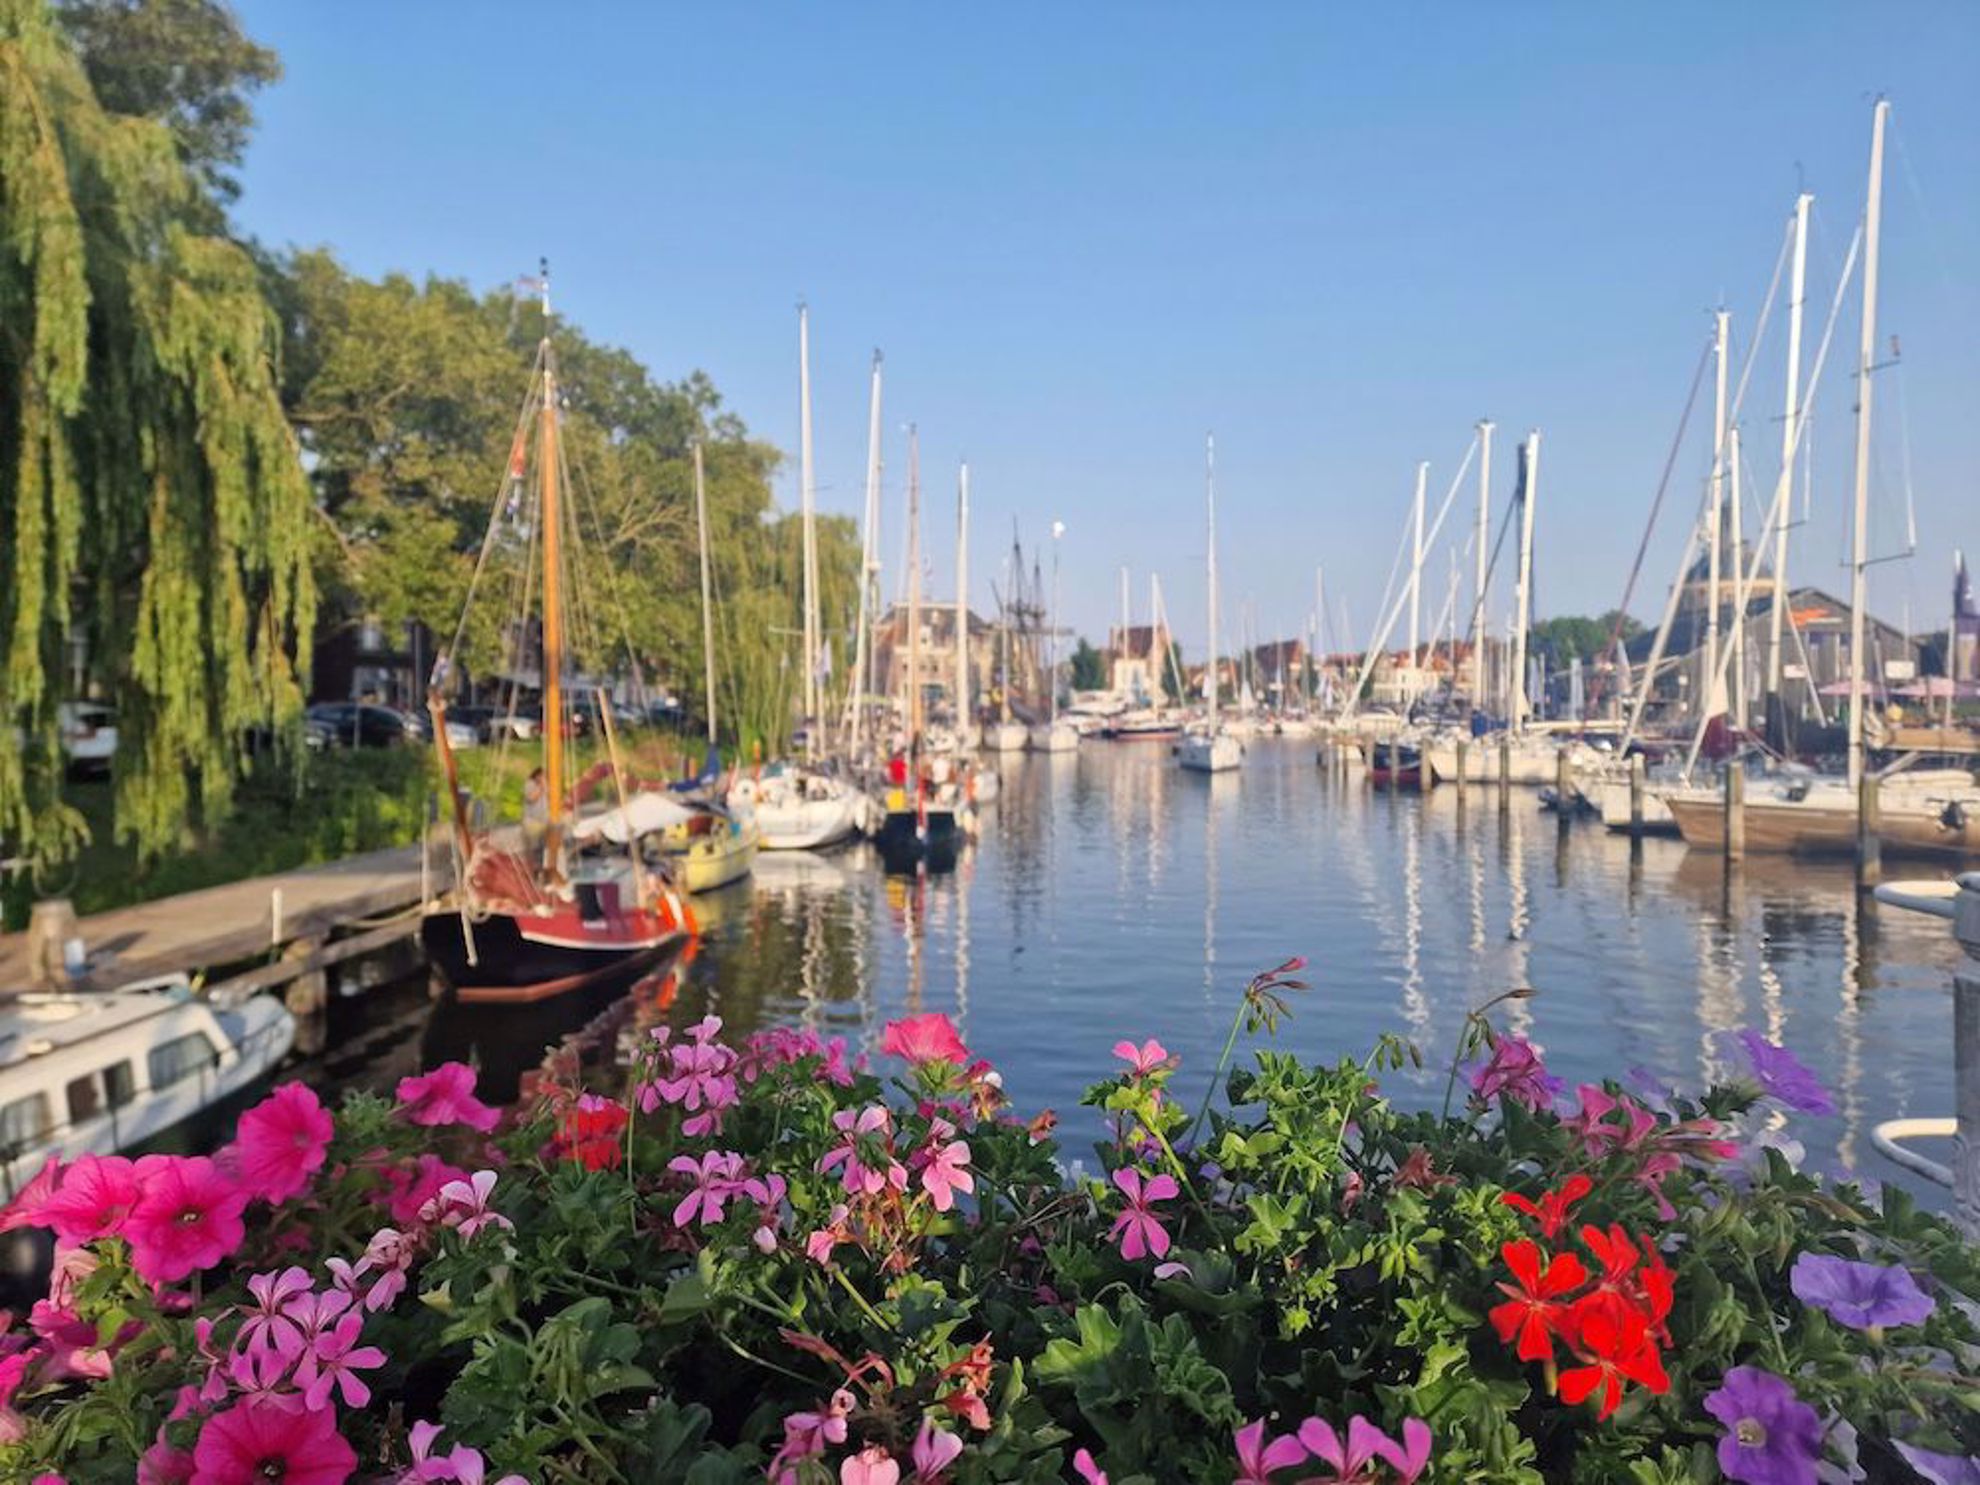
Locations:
(1930, 812)
(1395, 764)
(102, 1071)
(796, 809)
(1209, 750)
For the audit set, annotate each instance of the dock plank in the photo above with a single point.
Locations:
(222, 925)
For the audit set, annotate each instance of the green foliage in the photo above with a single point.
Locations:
(152, 510)
(1089, 668)
(1570, 637)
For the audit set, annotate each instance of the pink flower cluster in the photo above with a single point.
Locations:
(696, 1075)
(807, 1435)
(1350, 1461)
(460, 1464)
(446, 1096)
(1139, 1228)
(784, 1046)
(720, 1176)
(1654, 1148)
(1514, 1073)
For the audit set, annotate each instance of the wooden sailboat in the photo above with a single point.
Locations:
(1006, 734)
(533, 920)
(1209, 747)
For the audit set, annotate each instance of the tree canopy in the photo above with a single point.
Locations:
(152, 509)
(1577, 637)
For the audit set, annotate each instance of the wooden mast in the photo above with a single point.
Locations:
(707, 602)
(553, 603)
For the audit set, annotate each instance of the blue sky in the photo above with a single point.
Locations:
(1084, 235)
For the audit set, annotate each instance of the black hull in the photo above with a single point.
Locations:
(906, 849)
(508, 967)
(1395, 765)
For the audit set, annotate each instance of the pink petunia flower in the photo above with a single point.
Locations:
(95, 1196)
(162, 1464)
(256, 1441)
(281, 1142)
(187, 1217)
(446, 1096)
(25, 1209)
(931, 1037)
(410, 1190)
(1138, 1229)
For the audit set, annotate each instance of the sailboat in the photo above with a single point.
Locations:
(1207, 747)
(531, 921)
(1006, 734)
(921, 829)
(1054, 735)
(794, 806)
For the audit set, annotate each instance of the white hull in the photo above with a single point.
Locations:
(1006, 737)
(1059, 737)
(1530, 760)
(1215, 753)
(798, 814)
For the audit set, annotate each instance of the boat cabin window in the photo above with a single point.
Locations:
(181, 1058)
(24, 1122)
(85, 1098)
(119, 1083)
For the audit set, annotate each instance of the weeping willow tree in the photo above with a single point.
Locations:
(154, 516)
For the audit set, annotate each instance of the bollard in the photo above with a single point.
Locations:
(1463, 757)
(1636, 796)
(1966, 1056)
(1563, 788)
(1869, 843)
(1505, 774)
(275, 917)
(1735, 811)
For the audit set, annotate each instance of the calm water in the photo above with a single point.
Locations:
(1112, 895)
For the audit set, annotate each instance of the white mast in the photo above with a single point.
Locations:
(965, 713)
(1121, 651)
(1416, 566)
(707, 602)
(1859, 594)
(1052, 632)
(1737, 714)
(1004, 623)
(1484, 532)
(869, 568)
(1708, 701)
(1790, 440)
(810, 550)
(1210, 687)
(914, 588)
(1523, 597)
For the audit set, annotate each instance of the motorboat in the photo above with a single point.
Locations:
(797, 809)
(1395, 763)
(102, 1071)
(1927, 812)
(1209, 750)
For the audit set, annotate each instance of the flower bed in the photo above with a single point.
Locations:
(768, 1259)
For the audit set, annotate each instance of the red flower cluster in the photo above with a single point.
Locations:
(1610, 1312)
(591, 1131)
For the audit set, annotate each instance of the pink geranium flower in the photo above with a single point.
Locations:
(1088, 1471)
(446, 1096)
(1258, 1459)
(1138, 1229)
(1150, 1056)
(935, 1449)
(257, 1441)
(931, 1037)
(95, 1196)
(463, 1206)
(873, 1465)
(463, 1464)
(818, 1247)
(717, 1177)
(270, 1322)
(187, 1217)
(332, 1365)
(946, 1173)
(807, 1434)
(410, 1190)
(281, 1142)
(873, 1128)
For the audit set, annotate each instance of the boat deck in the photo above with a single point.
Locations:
(227, 924)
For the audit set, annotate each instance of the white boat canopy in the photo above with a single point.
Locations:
(645, 813)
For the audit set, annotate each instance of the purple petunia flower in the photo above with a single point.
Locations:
(1783, 1077)
(1941, 1469)
(1859, 1295)
(1772, 1437)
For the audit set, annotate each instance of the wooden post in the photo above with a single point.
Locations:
(1869, 844)
(1735, 811)
(308, 998)
(1463, 758)
(1563, 788)
(1505, 774)
(1636, 796)
(51, 929)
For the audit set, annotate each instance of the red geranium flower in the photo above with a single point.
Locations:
(589, 1130)
(1614, 1339)
(1551, 1211)
(1534, 1310)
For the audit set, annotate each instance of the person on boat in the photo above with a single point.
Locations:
(536, 812)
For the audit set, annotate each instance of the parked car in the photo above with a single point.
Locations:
(358, 724)
(89, 735)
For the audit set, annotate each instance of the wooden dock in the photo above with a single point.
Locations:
(288, 918)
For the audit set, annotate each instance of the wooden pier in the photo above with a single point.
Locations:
(287, 918)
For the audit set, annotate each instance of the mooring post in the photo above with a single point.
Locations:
(1463, 757)
(1563, 788)
(1966, 1055)
(1636, 796)
(1869, 843)
(1735, 811)
(275, 917)
(1505, 774)
(308, 998)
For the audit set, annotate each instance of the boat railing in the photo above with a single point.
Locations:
(1959, 903)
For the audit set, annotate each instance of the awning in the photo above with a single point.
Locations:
(643, 814)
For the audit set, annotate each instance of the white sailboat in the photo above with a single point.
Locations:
(1006, 734)
(1208, 747)
(1054, 735)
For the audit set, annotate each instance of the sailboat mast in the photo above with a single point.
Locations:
(553, 604)
(1529, 479)
(1004, 690)
(1859, 594)
(1478, 593)
(1708, 700)
(914, 586)
(1790, 440)
(1210, 677)
(869, 568)
(965, 713)
(1416, 565)
(1737, 699)
(1052, 632)
(707, 600)
(810, 539)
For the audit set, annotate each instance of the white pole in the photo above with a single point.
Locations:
(869, 568)
(1523, 602)
(1859, 595)
(810, 544)
(1120, 651)
(1416, 566)
(1738, 689)
(1052, 630)
(965, 713)
(1707, 699)
(1790, 439)
(1210, 573)
(707, 600)
(1484, 533)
